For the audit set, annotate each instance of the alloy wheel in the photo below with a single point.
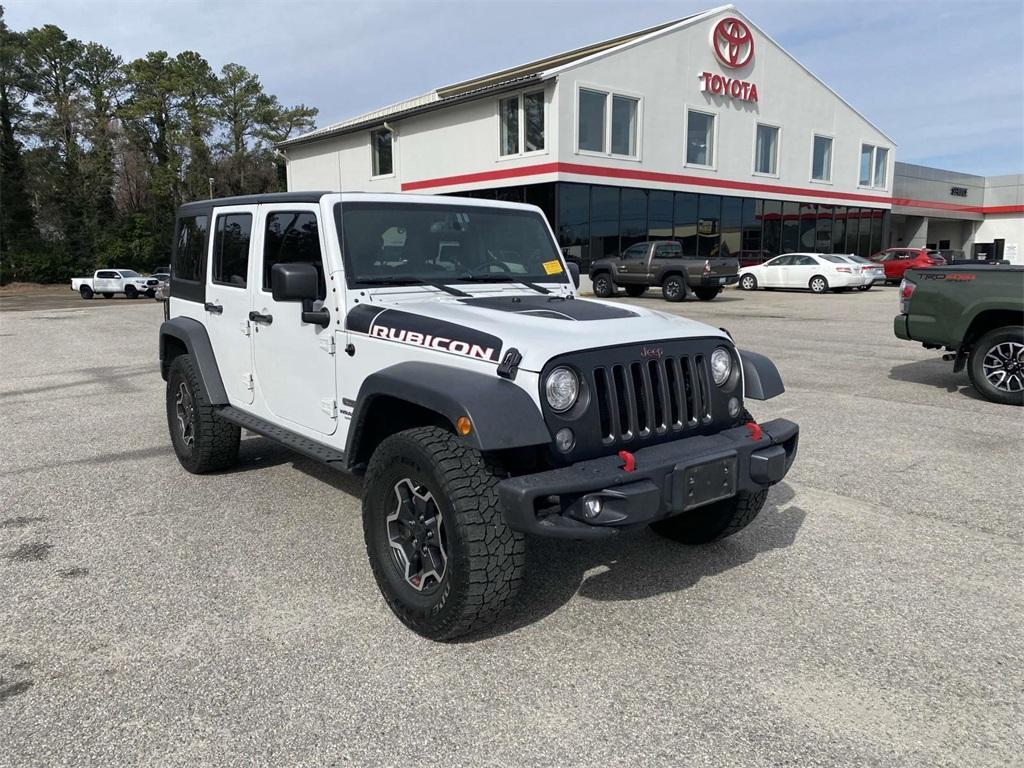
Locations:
(672, 288)
(415, 531)
(184, 408)
(1003, 366)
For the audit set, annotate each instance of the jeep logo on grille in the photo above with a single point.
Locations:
(656, 352)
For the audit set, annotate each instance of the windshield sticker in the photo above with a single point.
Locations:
(553, 267)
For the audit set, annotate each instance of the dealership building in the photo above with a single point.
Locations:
(703, 130)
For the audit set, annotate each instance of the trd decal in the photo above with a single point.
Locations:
(407, 328)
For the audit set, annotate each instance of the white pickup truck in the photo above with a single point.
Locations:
(107, 282)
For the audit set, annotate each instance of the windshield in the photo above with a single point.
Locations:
(395, 243)
(129, 273)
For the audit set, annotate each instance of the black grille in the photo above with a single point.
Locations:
(638, 399)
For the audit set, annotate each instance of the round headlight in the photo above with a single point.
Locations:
(561, 388)
(721, 365)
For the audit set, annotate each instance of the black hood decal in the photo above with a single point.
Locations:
(552, 307)
(409, 328)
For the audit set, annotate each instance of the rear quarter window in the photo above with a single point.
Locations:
(190, 247)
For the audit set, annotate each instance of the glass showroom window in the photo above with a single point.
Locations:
(700, 138)
(522, 123)
(624, 116)
(821, 161)
(874, 163)
(766, 150)
(591, 120)
(381, 146)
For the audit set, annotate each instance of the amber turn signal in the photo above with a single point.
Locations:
(463, 425)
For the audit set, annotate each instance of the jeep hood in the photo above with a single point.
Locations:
(540, 327)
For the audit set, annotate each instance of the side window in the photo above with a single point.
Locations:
(291, 237)
(107, 275)
(781, 261)
(231, 234)
(191, 244)
(805, 261)
(669, 251)
(635, 252)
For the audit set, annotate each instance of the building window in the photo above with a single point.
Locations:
(766, 150)
(591, 123)
(382, 149)
(821, 159)
(510, 126)
(874, 163)
(609, 134)
(522, 123)
(700, 138)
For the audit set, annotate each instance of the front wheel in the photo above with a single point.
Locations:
(131, 292)
(603, 285)
(818, 284)
(748, 283)
(714, 521)
(674, 288)
(707, 294)
(996, 365)
(636, 290)
(444, 559)
(202, 442)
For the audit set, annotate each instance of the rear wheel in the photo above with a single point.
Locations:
(131, 292)
(202, 442)
(996, 365)
(748, 283)
(714, 521)
(818, 284)
(86, 292)
(707, 294)
(441, 552)
(865, 287)
(674, 288)
(603, 285)
(636, 290)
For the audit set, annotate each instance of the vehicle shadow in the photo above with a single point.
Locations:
(257, 452)
(655, 295)
(639, 565)
(936, 373)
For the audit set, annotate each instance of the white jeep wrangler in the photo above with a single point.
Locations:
(437, 344)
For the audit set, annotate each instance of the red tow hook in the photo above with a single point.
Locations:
(628, 461)
(755, 430)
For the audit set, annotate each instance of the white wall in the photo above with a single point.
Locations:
(1008, 227)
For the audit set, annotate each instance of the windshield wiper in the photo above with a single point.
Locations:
(413, 281)
(503, 279)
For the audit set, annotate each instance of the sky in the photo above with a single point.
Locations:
(942, 79)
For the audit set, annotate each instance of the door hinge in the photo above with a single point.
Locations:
(244, 327)
(248, 381)
(327, 343)
(330, 407)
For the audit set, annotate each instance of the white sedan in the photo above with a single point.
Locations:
(817, 272)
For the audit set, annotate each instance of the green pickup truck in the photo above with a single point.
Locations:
(976, 314)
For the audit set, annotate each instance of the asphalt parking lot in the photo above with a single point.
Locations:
(872, 615)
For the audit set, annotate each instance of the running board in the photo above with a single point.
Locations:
(285, 437)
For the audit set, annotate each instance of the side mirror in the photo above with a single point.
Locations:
(294, 282)
(574, 272)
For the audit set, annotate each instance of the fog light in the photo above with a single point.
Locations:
(565, 439)
(592, 506)
(734, 407)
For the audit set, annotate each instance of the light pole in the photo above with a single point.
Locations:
(211, 187)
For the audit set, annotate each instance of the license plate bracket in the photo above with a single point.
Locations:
(704, 483)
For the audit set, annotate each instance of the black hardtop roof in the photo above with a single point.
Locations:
(197, 206)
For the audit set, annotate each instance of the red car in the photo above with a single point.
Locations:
(898, 260)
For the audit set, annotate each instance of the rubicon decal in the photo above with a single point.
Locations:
(420, 331)
(732, 43)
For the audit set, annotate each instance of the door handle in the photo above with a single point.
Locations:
(216, 309)
(256, 317)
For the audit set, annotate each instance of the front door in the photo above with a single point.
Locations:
(666, 255)
(295, 371)
(227, 299)
(632, 265)
(774, 271)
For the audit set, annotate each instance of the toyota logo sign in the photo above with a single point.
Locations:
(732, 42)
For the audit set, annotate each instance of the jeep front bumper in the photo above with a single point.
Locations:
(667, 480)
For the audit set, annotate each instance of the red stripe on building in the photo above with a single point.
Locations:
(636, 175)
(940, 206)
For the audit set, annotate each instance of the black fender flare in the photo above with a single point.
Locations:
(192, 334)
(761, 379)
(502, 414)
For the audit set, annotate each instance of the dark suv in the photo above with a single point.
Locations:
(662, 263)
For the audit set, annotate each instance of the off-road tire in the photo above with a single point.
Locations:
(1008, 334)
(485, 558)
(215, 442)
(85, 292)
(674, 288)
(604, 287)
(636, 290)
(707, 294)
(107, 295)
(131, 292)
(748, 283)
(714, 521)
(818, 284)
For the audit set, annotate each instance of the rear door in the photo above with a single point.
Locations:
(294, 361)
(106, 281)
(227, 298)
(666, 255)
(800, 271)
